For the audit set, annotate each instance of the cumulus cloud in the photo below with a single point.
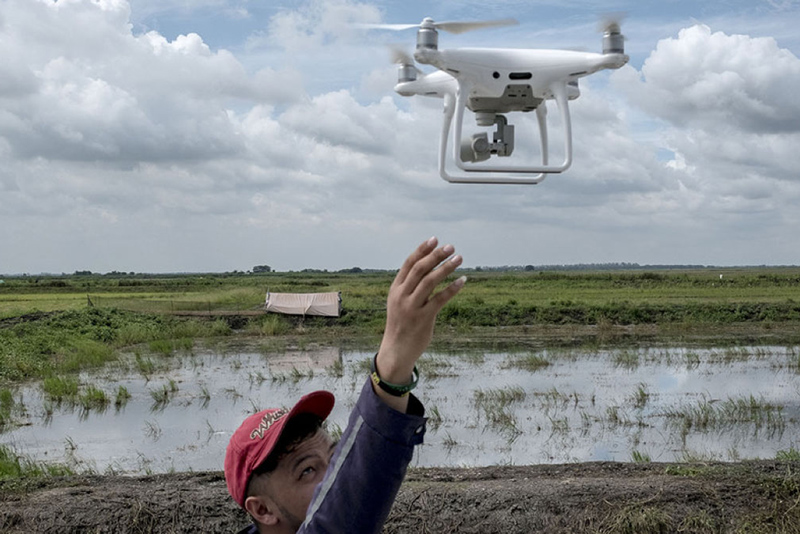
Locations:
(704, 79)
(732, 120)
(82, 86)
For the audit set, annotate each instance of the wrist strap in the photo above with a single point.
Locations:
(396, 390)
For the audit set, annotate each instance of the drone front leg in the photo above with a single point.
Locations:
(559, 91)
(541, 117)
(449, 108)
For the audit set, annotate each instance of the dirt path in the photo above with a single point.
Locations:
(750, 497)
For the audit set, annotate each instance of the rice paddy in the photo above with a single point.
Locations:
(495, 410)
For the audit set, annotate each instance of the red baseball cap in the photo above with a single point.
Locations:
(254, 440)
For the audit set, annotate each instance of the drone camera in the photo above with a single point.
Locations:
(476, 148)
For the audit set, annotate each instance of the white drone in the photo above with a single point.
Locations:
(492, 82)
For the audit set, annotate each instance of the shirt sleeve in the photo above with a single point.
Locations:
(367, 468)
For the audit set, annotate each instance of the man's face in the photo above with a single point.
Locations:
(291, 486)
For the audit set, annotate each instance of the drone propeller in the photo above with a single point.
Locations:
(611, 27)
(407, 70)
(611, 22)
(400, 56)
(450, 27)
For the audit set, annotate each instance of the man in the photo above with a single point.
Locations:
(285, 470)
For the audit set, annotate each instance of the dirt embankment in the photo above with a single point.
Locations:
(751, 497)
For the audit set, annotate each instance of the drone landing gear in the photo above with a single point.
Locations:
(478, 147)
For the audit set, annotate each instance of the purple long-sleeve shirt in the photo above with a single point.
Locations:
(367, 468)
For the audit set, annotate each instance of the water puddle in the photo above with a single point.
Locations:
(485, 408)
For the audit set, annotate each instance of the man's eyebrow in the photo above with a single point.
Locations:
(302, 459)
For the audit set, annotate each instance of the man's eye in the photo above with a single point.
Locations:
(307, 472)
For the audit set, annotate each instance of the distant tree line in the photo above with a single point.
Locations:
(622, 266)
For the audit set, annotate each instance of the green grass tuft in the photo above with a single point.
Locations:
(14, 466)
(60, 389)
(789, 455)
(122, 397)
(530, 362)
(93, 398)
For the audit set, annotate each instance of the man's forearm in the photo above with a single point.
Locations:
(368, 467)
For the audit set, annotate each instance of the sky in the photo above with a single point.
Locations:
(216, 135)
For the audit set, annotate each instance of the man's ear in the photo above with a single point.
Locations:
(262, 509)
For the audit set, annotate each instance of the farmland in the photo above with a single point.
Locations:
(69, 338)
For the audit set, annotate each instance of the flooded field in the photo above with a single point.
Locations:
(156, 414)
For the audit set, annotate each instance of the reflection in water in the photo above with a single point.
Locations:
(485, 409)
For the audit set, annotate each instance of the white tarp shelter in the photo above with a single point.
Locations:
(324, 304)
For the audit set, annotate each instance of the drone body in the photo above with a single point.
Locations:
(493, 82)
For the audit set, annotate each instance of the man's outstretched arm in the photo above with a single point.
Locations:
(370, 462)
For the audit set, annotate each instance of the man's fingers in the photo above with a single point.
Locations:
(422, 250)
(429, 282)
(423, 267)
(442, 297)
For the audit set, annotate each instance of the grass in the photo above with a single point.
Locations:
(627, 359)
(529, 362)
(122, 397)
(434, 367)
(60, 388)
(434, 417)
(336, 369)
(144, 365)
(638, 519)
(641, 396)
(709, 415)
(616, 417)
(494, 404)
(272, 325)
(9, 407)
(205, 397)
(789, 455)
(93, 398)
(163, 395)
(15, 466)
(74, 340)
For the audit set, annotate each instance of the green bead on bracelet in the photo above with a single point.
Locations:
(396, 390)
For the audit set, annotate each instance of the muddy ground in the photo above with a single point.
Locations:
(745, 497)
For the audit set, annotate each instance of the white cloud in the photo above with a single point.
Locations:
(733, 122)
(82, 86)
(318, 23)
(704, 79)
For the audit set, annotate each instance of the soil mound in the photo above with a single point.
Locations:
(747, 497)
